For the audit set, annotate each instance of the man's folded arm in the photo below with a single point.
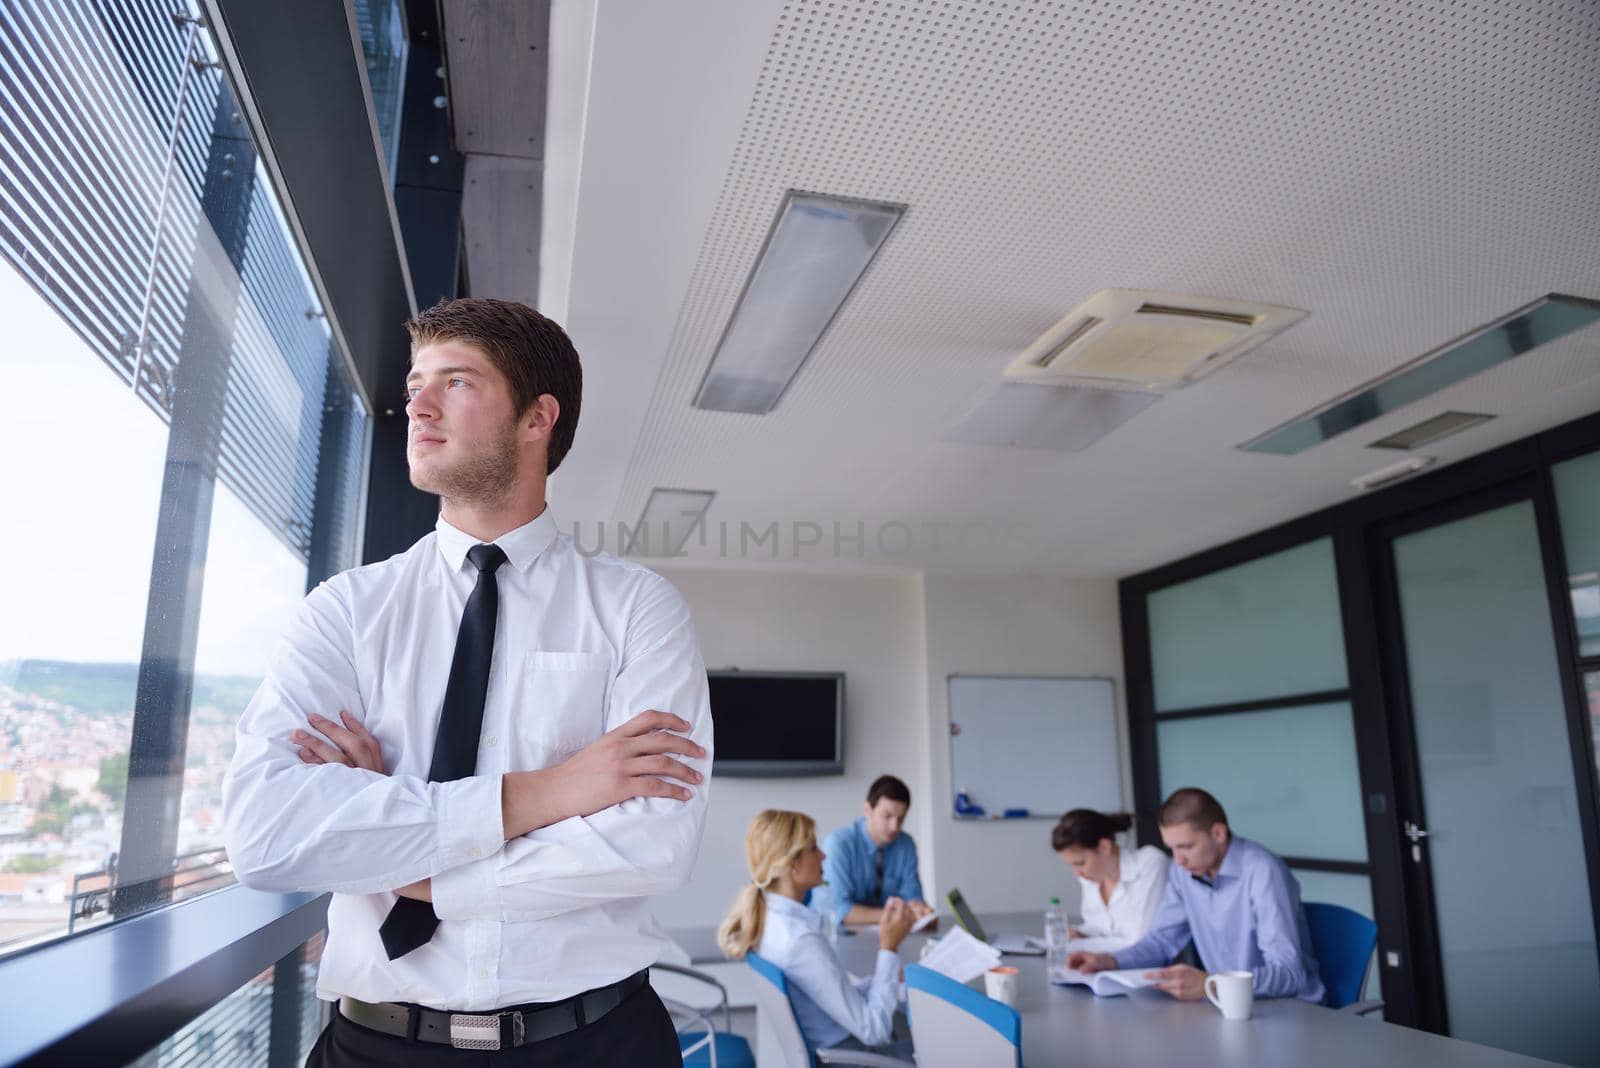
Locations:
(641, 847)
(290, 825)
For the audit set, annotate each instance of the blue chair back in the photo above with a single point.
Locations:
(772, 999)
(952, 1024)
(1343, 941)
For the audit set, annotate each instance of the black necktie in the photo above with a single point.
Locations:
(877, 887)
(411, 923)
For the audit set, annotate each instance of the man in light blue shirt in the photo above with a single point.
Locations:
(1234, 897)
(872, 859)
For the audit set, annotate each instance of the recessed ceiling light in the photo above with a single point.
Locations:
(670, 518)
(1430, 430)
(1530, 326)
(815, 253)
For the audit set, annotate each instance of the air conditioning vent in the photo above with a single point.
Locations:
(1140, 340)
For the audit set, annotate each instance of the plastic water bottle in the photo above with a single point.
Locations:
(1055, 938)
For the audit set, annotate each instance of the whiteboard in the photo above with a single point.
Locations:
(1046, 745)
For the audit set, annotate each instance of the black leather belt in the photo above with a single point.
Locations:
(519, 1025)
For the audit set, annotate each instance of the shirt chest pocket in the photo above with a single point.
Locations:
(563, 706)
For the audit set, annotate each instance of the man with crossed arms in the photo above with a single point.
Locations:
(491, 748)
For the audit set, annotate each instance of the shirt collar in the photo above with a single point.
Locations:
(788, 906)
(1232, 866)
(522, 546)
(861, 825)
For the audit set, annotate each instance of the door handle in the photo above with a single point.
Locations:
(1415, 833)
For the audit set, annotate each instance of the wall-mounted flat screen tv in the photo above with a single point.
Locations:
(772, 724)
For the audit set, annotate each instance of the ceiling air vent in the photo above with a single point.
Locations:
(1141, 340)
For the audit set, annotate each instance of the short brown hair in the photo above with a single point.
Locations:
(532, 352)
(890, 787)
(1193, 806)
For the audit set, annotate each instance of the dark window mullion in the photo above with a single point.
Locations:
(1266, 704)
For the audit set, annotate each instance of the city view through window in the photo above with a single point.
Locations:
(86, 483)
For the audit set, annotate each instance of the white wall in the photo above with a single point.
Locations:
(1020, 625)
(869, 627)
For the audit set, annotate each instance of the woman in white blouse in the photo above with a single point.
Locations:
(1122, 888)
(768, 917)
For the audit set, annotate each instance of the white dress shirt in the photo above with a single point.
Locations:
(828, 1005)
(1134, 900)
(582, 645)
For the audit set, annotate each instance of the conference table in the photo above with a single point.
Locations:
(1069, 1025)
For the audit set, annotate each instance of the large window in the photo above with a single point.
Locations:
(186, 455)
(1577, 488)
(1252, 703)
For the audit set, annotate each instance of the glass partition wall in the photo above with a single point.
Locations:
(1401, 696)
(1252, 703)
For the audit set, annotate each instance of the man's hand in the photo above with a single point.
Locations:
(350, 745)
(630, 761)
(1181, 981)
(1083, 961)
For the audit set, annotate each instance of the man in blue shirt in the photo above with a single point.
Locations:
(1234, 897)
(872, 859)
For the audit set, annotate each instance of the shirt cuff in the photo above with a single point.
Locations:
(888, 966)
(470, 830)
(469, 821)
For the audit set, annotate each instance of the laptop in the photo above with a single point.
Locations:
(1021, 945)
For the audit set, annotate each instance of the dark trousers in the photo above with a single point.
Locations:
(637, 1032)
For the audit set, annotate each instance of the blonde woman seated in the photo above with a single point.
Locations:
(768, 917)
(1122, 888)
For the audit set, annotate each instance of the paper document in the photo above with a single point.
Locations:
(961, 957)
(924, 922)
(1105, 984)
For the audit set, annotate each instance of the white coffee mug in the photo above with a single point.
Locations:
(1232, 992)
(1001, 984)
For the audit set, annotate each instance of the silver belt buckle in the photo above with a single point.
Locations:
(470, 1031)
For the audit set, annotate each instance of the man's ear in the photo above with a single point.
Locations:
(540, 419)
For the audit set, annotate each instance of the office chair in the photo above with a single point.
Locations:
(954, 1026)
(1344, 942)
(772, 999)
(708, 1047)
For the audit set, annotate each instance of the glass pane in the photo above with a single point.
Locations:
(1518, 944)
(76, 589)
(253, 583)
(1268, 628)
(237, 1031)
(1336, 888)
(383, 45)
(1578, 504)
(1592, 686)
(1287, 778)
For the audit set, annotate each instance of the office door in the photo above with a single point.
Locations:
(1494, 860)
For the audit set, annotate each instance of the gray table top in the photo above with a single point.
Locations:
(1062, 1025)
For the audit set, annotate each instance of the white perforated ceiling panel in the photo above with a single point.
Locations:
(1404, 172)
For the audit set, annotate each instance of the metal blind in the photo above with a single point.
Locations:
(106, 110)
